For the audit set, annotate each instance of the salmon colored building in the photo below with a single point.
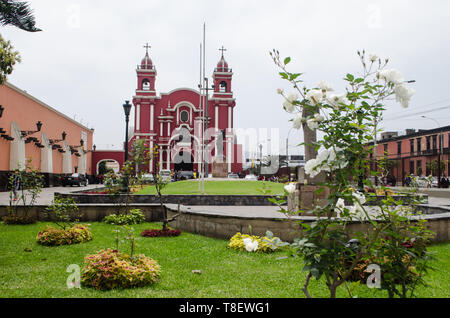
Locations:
(31, 129)
(413, 152)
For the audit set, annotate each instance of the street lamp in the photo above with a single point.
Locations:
(126, 109)
(26, 133)
(439, 150)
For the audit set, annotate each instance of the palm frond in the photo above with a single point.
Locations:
(18, 14)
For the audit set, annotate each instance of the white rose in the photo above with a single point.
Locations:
(337, 99)
(391, 76)
(289, 103)
(290, 188)
(297, 122)
(340, 205)
(403, 94)
(325, 86)
(309, 168)
(373, 57)
(314, 96)
(312, 124)
(360, 197)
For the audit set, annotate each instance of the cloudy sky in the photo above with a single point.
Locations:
(83, 63)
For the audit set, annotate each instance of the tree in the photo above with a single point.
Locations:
(18, 14)
(8, 58)
(433, 167)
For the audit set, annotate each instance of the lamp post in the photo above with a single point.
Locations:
(126, 109)
(439, 150)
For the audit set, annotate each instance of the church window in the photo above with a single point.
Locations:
(184, 116)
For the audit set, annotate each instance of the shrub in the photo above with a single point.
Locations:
(264, 243)
(63, 211)
(158, 233)
(135, 216)
(15, 219)
(110, 269)
(51, 236)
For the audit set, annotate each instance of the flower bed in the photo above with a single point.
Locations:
(110, 269)
(159, 233)
(52, 236)
(135, 216)
(252, 243)
(11, 219)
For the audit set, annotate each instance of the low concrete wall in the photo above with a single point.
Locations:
(225, 226)
(193, 199)
(95, 212)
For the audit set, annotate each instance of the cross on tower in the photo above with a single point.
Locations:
(146, 46)
(222, 49)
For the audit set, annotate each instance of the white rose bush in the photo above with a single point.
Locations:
(348, 120)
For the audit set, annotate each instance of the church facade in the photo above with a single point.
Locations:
(188, 126)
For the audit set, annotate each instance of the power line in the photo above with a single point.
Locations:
(418, 113)
(415, 107)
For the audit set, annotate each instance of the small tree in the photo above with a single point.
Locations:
(63, 212)
(348, 121)
(25, 186)
(160, 184)
(433, 167)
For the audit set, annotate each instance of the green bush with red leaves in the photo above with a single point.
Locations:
(110, 269)
(52, 236)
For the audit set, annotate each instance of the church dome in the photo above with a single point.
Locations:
(222, 66)
(146, 62)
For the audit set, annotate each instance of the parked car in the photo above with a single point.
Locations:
(251, 177)
(75, 179)
(147, 178)
(434, 182)
(165, 175)
(233, 175)
(187, 175)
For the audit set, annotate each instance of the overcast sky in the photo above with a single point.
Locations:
(83, 62)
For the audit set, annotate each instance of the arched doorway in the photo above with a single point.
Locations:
(184, 161)
(107, 164)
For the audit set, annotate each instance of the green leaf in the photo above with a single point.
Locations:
(287, 60)
(350, 77)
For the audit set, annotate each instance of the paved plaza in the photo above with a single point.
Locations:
(437, 197)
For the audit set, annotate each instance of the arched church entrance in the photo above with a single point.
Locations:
(105, 165)
(184, 161)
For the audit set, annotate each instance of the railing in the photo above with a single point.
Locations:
(430, 152)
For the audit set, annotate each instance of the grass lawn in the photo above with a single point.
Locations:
(225, 273)
(218, 187)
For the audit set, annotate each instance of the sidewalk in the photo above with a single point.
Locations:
(46, 196)
(439, 197)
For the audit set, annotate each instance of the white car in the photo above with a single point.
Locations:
(147, 178)
(165, 175)
(251, 177)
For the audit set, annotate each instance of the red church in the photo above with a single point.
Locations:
(186, 132)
